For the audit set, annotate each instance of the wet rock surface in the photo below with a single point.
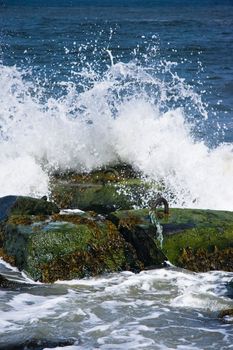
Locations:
(198, 240)
(38, 344)
(102, 191)
(50, 245)
(141, 234)
(21, 205)
(7, 284)
(65, 246)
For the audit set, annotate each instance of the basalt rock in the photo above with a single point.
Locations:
(198, 240)
(102, 191)
(65, 246)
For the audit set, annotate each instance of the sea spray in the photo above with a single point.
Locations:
(159, 228)
(127, 114)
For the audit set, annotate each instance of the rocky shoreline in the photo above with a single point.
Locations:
(106, 234)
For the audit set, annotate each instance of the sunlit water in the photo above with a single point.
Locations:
(102, 83)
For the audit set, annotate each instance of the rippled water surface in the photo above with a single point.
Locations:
(158, 309)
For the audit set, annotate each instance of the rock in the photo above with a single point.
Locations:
(102, 191)
(229, 287)
(226, 312)
(5, 283)
(65, 246)
(198, 240)
(37, 344)
(136, 228)
(51, 246)
(20, 205)
(226, 315)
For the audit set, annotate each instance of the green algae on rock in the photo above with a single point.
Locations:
(103, 190)
(136, 228)
(198, 240)
(51, 246)
(21, 205)
(66, 246)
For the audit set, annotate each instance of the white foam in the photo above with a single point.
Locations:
(203, 291)
(14, 274)
(180, 288)
(116, 119)
(69, 347)
(8, 266)
(27, 308)
(71, 211)
(124, 310)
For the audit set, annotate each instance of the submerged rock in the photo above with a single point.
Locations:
(198, 240)
(226, 315)
(226, 312)
(5, 283)
(38, 344)
(65, 246)
(102, 191)
(229, 287)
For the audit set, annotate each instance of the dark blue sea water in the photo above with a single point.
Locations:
(197, 35)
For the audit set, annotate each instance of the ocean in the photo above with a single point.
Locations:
(84, 84)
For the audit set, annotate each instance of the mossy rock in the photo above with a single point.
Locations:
(21, 205)
(111, 173)
(226, 312)
(199, 240)
(66, 246)
(102, 191)
(141, 234)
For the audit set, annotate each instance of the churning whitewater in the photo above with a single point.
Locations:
(129, 113)
(159, 309)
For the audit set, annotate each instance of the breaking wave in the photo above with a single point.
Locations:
(142, 115)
